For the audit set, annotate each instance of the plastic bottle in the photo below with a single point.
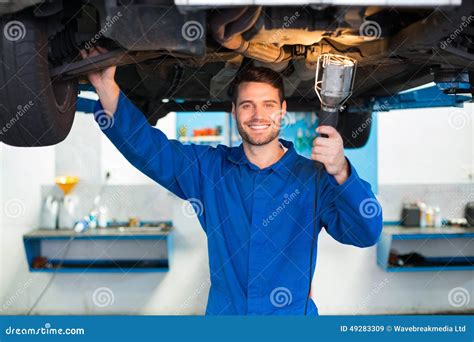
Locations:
(422, 214)
(437, 217)
(429, 217)
(103, 217)
(93, 219)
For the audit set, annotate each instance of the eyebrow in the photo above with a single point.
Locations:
(266, 101)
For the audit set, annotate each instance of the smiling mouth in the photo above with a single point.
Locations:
(259, 127)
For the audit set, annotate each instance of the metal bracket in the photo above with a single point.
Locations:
(111, 58)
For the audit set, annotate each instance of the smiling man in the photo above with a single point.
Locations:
(260, 198)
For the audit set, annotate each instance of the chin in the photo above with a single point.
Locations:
(260, 140)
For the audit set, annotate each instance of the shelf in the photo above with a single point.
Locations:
(120, 249)
(97, 233)
(203, 139)
(106, 266)
(439, 247)
(409, 233)
(429, 268)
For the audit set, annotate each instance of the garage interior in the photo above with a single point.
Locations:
(82, 232)
(413, 155)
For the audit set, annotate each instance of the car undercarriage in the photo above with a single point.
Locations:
(178, 58)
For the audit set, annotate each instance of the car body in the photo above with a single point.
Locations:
(176, 55)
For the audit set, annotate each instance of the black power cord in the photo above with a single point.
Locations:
(67, 247)
(66, 250)
(320, 167)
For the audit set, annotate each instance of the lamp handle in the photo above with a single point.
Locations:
(328, 118)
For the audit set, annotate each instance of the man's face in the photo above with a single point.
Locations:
(258, 112)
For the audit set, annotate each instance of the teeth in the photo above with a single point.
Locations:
(259, 126)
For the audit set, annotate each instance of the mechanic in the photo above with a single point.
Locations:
(259, 199)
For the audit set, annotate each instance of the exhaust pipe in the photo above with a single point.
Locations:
(227, 28)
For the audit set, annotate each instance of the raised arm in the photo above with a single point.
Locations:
(175, 166)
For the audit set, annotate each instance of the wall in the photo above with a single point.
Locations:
(22, 171)
(426, 146)
(120, 169)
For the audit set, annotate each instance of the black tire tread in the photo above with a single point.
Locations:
(25, 70)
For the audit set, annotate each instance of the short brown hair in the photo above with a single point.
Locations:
(257, 74)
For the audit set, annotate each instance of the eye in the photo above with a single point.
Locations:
(269, 105)
(246, 106)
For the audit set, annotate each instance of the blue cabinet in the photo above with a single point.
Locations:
(123, 249)
(426, 249)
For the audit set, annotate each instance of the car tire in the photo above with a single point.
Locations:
(355, 128)
(35, 110)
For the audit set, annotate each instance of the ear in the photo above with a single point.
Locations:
(283, 108)
(233, 110)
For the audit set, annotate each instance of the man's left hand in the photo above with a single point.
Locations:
(330, 152)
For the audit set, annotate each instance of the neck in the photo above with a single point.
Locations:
(263, 155)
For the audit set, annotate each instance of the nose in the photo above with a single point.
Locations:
(260, 113)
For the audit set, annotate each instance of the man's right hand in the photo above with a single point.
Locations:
(104, 82)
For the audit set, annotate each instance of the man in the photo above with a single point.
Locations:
(259, 198)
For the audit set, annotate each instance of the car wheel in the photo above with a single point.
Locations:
(35, 110)
(355, 128)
